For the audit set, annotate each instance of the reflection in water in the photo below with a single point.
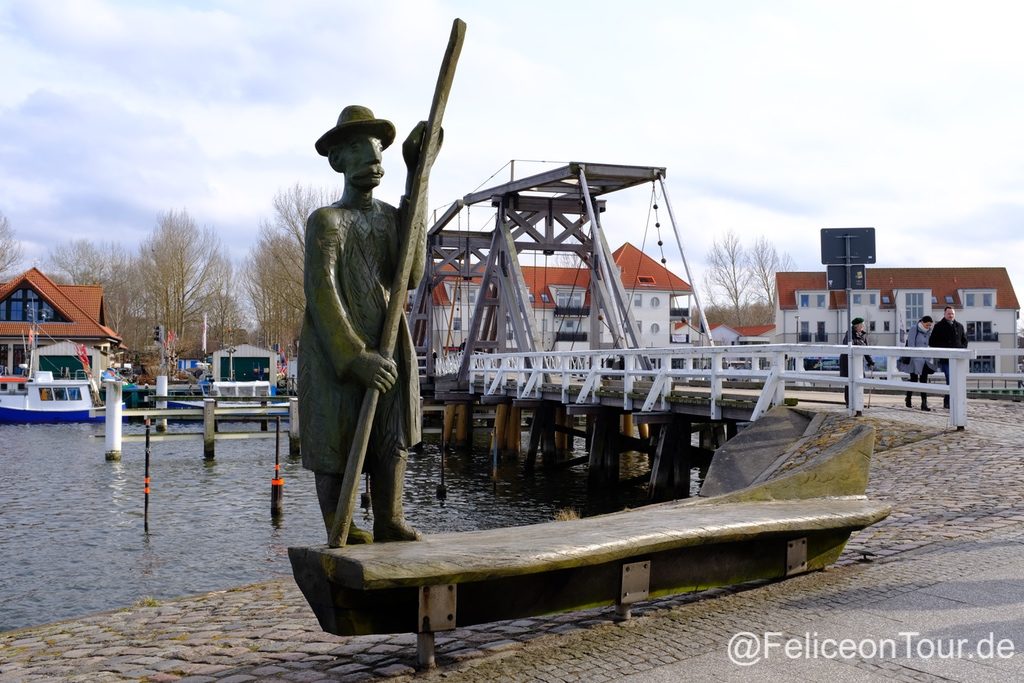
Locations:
(73, 539)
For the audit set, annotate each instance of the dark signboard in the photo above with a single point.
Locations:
(842, 246)
(836, 277)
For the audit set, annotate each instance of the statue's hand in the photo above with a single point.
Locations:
(414, 143)
(375, 371)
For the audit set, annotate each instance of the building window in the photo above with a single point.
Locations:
(885, 326)
(457, 323)
(655, 328)
(805, 301)
(820, 300)
(981, 331)
(983, 299)
(885, 299)
(655, 302)
(856, 299)
(871, 326)
(544, 297)
(574, 300)
(949, 300)
(638, 300)
(983, 364)
(872, 300)
(25, 305)
(914, 302)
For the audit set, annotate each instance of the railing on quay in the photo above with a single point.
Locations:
(579, 375)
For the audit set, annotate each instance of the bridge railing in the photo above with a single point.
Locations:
(643, 379)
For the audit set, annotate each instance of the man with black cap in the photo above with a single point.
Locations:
(860, 338)
(351, 260)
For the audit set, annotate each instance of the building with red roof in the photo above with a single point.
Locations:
(893, 299)
(58, 319)
(559, 298)
(727, 335)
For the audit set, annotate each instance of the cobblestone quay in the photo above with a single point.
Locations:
(945, 565)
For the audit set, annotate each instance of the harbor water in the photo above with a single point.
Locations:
(73, 538)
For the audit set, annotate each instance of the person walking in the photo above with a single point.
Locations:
(860, 338)
(948, 333)
(918, 368)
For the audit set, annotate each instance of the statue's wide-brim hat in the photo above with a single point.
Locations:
(356, 119)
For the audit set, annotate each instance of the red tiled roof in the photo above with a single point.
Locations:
(754, 330)
(641, 271)
(942, 282)
(81, 305)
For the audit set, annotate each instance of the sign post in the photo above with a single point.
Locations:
(844, 252)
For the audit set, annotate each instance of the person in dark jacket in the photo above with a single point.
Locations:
(947, 334)
(860, 338)
(919, 368)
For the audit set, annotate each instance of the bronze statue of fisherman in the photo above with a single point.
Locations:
(351, 261)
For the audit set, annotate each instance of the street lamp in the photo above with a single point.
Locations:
(231, 363)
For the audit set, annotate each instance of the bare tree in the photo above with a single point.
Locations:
(10, 248)
(273, 279)
(225, 317)
(109, 265)
(727, 278)
(185, 268)
(763, 262)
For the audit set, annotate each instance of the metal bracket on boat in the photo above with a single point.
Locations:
(796, 556)
(636, 586)
(436, 613)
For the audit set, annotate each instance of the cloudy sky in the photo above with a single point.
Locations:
(772, 118)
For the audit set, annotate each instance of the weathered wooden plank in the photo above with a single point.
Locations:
(495, 553)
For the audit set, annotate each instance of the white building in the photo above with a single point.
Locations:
(660, 303)
(896, 298)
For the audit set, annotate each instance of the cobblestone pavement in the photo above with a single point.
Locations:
(958, 504)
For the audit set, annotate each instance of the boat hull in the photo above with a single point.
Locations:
(18, 416)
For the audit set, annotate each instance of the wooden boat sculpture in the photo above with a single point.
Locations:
(770, 507)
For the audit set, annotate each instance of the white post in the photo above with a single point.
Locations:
(112, 420)
(958, 391)
(856, 366)
(716, 383)
(161, 390)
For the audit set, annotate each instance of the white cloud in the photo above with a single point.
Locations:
(773, 119)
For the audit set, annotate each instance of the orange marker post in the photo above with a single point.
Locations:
(145, 515)
(277, 483)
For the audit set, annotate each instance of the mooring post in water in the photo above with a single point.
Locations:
(145, 488)
(293, 427)
(112, 420)
(161, 390)
(277, 483)
(209, 426)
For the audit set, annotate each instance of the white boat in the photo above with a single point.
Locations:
(42, 398)
(247, 393)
